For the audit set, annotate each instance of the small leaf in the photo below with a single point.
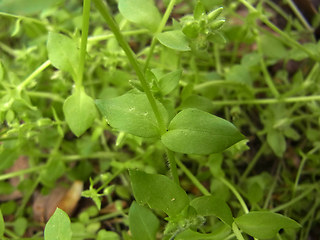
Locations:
(209, 205)
(219, 233)
(63, 53)
(141, 12)
(159, 192)
(54, 169)
(277, 142)
(107, 235)
(175, 40)
(132, 113)
(143, 223)
(1, 225)
(20, 8)
(193, 131)
(58, 226)
(169, 82)
(199, 10)
(80, 111)
(264, 225)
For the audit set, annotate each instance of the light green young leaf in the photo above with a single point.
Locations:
(20, 226)
(175, 40)
(277, 142)
(141, 12)
(213, 206)
(132, 113)
(80, 111)
(264, 225)
(159, 192)
(58, 227)
(143, 223)
(107, 235)
(193, 131)
(63, 53)
(1, 225)
(169, 82)
(19, 7)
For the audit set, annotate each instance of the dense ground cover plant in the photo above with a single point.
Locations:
(183, 119)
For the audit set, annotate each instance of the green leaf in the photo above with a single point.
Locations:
(193, 131)
(1, 225)
(143, 223)
(107, 235)
(19, 7)
(80, 111)
(277, 142)
(159, 192)
(132, 113)
(199, 10)
(175, 40)
(58, 226)
(54, 170)
(20, 226)
(169, 82)
(264, 225)
(141, 12)
(63, 53)
(209, 205)
(220, 233)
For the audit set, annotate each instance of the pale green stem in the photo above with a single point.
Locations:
(292, 201)
(52, 96)
(24, 18)
(299, 15)
(236, 193)
(159, 30)
(302, 163)
(236, 231)
(193, 179)
(111, 35)
(84, 39)
(173, 166)
(104, 11)
(34, 74)
(264, 69)
(268, 101)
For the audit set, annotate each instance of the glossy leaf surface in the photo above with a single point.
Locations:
(213, 206)
(264, 225)
(175, 40)
(143, 223)
(63, 53)
(193, 131)
(141, 12)
(131, 113)
(80, 111)
(58, 226)
(159, 192)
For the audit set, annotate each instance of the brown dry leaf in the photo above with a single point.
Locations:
(20, 164)
(65, 199)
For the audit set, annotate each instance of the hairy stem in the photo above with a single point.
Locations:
(104, 11)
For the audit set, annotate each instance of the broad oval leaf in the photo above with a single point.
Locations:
(219, 233)
(63, 53)
(159, 192)
(193, 131)
(143, 223)
(264, 225)
(20, 8)
(213, 206)
(141, 12)
(132, 113)
(80, 111)
(175, 40)
(58, 227)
